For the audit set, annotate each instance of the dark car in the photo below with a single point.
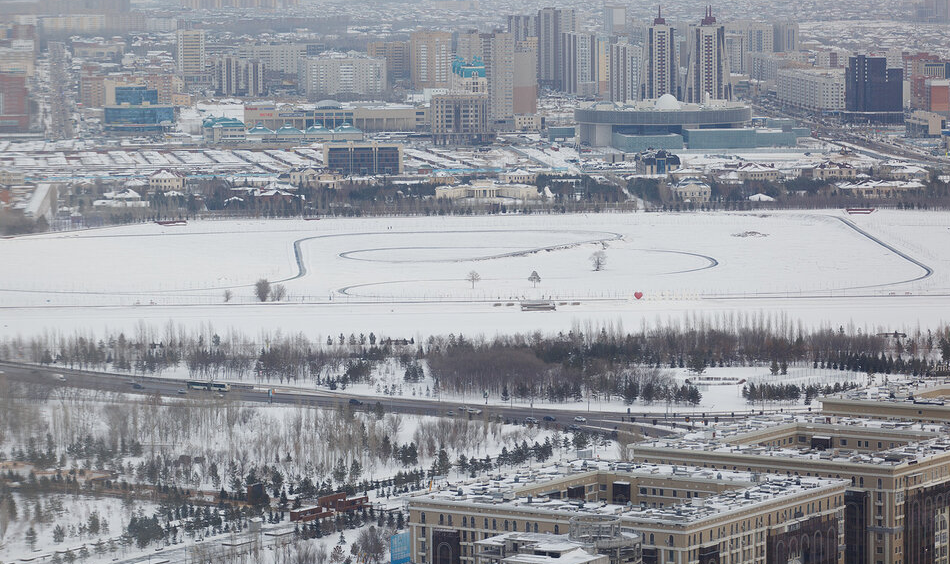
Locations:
(137, 386)
(354, 401)
(549, 418)
(573, 428)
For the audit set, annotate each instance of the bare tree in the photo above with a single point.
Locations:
(278, 292)
(228, 295)
(473, 277)
(598, 260)
(534, 278)
(371, 544)
(262, 289)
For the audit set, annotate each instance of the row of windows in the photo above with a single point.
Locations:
(509, 525)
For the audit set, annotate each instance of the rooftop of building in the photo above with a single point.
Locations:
(900, 393)
(913, 441)
(743, 490)
(665, 103)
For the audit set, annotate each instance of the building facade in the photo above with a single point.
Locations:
(460, 119)
(396, 55)
(707, 64)
(680, 515)
(191, 56)
(552, 24)
(660, 69)
(234, 76)
(430, 59)
(339, 73)
(14, 103)
(363, 159)
(873, 92)
(819, 90)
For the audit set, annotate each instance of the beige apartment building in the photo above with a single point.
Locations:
(897, 500)
(682, 515)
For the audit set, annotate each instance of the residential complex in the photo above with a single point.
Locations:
(679, 513)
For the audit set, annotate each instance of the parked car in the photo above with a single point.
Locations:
(573, 427)
(531, 421)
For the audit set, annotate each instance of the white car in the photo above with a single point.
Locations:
(59, 377)
(580, 419)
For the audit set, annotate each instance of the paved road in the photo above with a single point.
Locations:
(596, 421)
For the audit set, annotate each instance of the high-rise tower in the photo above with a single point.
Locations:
(707, 64)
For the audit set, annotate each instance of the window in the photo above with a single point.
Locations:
(422, 517)
(441, 519)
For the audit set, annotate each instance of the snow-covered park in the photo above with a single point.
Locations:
(409, 276)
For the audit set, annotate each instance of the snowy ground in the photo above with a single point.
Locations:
(407, 276)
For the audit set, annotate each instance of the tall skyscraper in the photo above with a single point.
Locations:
(624, 73)
(523, 27)
(660, 71)
(615, 19)
(579, 61)
(873, 92)
(785, 36)
(191, 57)
(525, 88)
(396, 55)
(430, 59)
(238, 77)
(707, 65)
(552, 23)
(498, 53)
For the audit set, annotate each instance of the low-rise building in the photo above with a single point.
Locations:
(692, 190)
(925, 124)
(310, 177)
(166, 181)
(827, 170)
(878, 189)
(225, 130)
(487, 190)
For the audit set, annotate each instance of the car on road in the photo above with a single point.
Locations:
(531, 421)
(450, 413)
(573, 427)
(474, 411)
(181, 391)
(580, 419)
(137, 386)
(59, 377)
(354, 401)
(549, 418)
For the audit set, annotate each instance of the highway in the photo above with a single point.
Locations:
(602, 422)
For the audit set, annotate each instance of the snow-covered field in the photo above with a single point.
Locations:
(407, 276)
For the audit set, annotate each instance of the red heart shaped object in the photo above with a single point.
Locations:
(638, 295)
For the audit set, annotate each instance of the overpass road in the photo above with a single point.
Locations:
(602, 422)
